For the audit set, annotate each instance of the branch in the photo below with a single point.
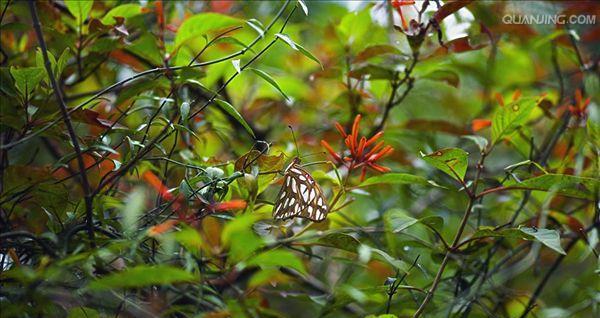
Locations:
(455, 243)
(391, 102)
(148, 72)
(39, 241)
(164, 134)
(208, 102)
(85, 185)
(316, 285)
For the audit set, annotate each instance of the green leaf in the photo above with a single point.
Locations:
(203, 23)
(80, 9)
(62, 62)
(232, 40)
(27, 78)
(39, 62)
(240, 223)
(303, 6)
(236, 65)
(145, 46)
(141, 276)
(593, 127)
(374, 51)
(125, 11)
(79, 312)
(189, 238)
(132, 209)
(184, 109)
(372, 72)
(229, 109)
(452, 161)
(567, 185)
(397, 221)
(239, 236)
(383, 256)
(276, 258)
(449, 77)
(489, 231)
(263, 277)
(395, 178)
(306, 53)
(550, 238)
(257, 26)
(355, 25)
(287, 40)
(481, 142)
(270, 80)
(341, 241)
(509, 117)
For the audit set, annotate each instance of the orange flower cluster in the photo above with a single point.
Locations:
(362, 152)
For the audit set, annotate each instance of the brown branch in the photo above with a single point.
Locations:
(85, 185)
(392, 102)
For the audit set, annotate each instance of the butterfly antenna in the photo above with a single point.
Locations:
(295, 141)
(314, 154)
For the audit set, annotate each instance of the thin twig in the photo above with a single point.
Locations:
(85, 185)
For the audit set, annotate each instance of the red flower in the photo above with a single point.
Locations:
(398, 4)
(363, 152)
(228, 205)
(163, 191)
(579, 109)
(478, 124)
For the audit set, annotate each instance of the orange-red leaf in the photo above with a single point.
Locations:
(162, 227)
(479, 124)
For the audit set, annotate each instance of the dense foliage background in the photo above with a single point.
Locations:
(143, 144)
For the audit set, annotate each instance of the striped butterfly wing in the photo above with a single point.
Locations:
(300, 196)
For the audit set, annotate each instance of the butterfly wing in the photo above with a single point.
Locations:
(316, 206)
(288, 202)
(300, 196)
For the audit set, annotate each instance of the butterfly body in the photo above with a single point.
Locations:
(300, 196)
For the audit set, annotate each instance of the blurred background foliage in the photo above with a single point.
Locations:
(181, 112)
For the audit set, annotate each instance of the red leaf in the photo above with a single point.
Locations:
(155, 182)
(459, 45)
(92, 117)
(125, 58)
(449, 8)
(373, 51)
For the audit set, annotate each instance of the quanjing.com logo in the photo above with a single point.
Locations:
(548, 19)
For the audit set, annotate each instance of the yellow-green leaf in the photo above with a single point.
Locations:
(141, 276)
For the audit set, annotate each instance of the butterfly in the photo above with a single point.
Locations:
(300, 195)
